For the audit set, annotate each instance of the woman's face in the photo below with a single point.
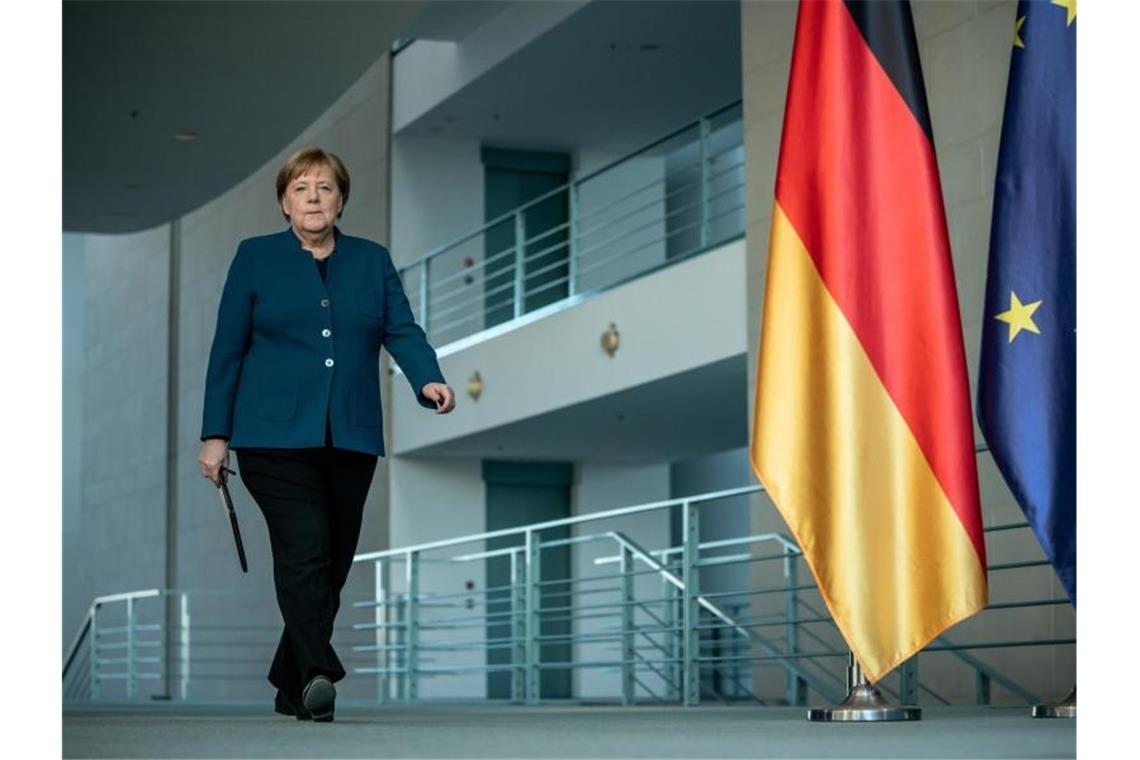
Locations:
(312, 200)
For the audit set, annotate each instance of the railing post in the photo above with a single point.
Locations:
(518, 628)
(908, 681)
(130, 647)
(93, 688)
(413, 624)
(671, 595)
(795, 688)
(424, 280)
(401, 649)
(628, 653)
(690, 530)
(704, 150)
(380, 618)
(572, 260)
(981, 687)
(520, 263)
(533, 620)
(184, 644)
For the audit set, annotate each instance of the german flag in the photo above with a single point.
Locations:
(862, 433)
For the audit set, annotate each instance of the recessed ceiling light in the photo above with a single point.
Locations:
(185, 136)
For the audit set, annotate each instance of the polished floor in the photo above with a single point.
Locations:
(498, 731)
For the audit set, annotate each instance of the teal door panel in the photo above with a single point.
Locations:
(520, 493)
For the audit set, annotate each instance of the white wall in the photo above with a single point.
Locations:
(76, 584)
(601, 486)
(437, 196)
(118, 528)
(684, 316)
(622, 227)
(434, 500)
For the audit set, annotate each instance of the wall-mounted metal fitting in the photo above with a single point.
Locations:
(475, 386)
(611, 340)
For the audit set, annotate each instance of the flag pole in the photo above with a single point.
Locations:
(1064, 709)
(864, 702)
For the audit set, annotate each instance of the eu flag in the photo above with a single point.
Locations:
(1027, 399)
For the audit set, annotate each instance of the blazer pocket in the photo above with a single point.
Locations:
(278, 400)
(367, 403)
(372, 304)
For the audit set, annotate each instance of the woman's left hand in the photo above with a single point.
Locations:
(441, 394)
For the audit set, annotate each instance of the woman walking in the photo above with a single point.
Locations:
(293, 388)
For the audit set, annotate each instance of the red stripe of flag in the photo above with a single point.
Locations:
(883, 232)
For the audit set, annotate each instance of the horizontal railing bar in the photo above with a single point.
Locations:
(476, 296)
(482, 263)
(661, 141)
(1029, 603)
(1018, 565)
(582, 591)
(378, 647)
(714, 157)
(722, 193)
(548, 231)
(661, 220)
(670, 175)
(530, 274)
(545, 525)
(548, 286)
(683, 186)
(729, 210)
(122, 597)
(582, 295)
(657, 221)
(1006, 526)
(602, 263)
(563, 262)
(998, 645)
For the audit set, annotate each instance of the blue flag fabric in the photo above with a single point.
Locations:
(1027, 399)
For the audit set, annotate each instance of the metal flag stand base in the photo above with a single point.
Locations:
(1065, 709)
(864, 702)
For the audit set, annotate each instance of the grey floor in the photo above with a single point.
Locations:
(254, 731)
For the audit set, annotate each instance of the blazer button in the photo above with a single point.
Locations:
(326, 332)
(324, 303)
(328, 362)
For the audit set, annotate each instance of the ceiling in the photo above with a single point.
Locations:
(614, 76)
(690, 414)
(248, 77)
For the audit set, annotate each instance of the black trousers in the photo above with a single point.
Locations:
(313, 501)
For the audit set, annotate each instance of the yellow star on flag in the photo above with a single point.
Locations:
(1019, 317)
(1017, 41)
(1070, 7)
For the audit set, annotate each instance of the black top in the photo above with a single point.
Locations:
(323, 268)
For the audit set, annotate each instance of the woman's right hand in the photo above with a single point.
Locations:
(214, 455)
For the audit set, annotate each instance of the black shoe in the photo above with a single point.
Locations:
(319, 698)
(286, 706)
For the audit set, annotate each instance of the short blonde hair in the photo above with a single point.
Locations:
(305, 159)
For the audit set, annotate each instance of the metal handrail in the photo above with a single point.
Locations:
(677, 648)
(514, 260)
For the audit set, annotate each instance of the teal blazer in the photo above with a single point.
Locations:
(289, 348)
